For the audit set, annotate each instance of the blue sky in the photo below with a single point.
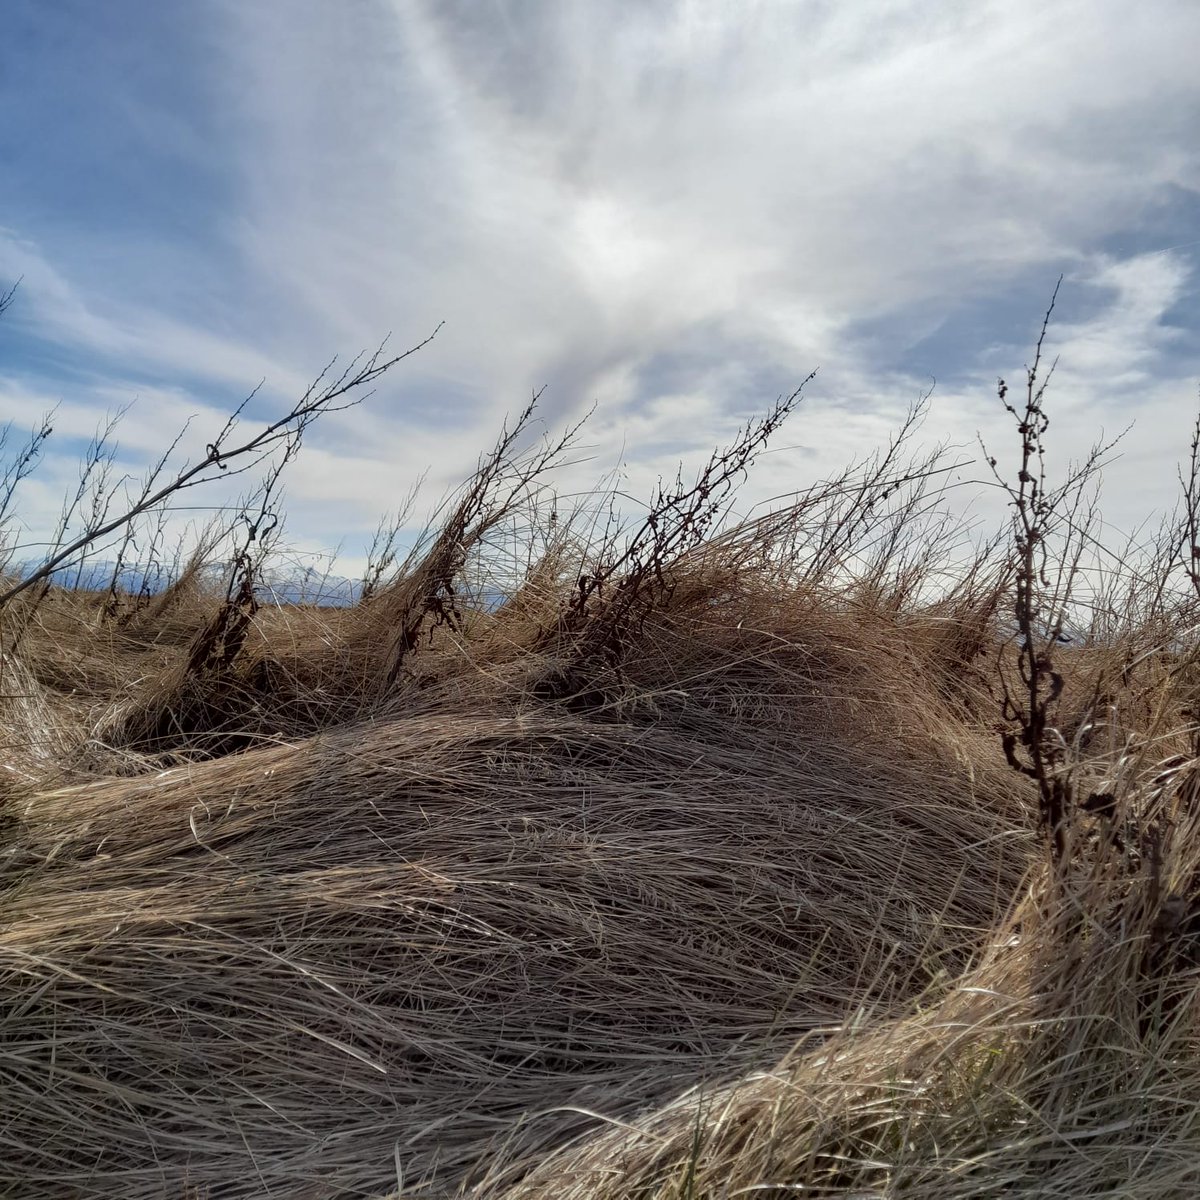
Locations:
(674, 210)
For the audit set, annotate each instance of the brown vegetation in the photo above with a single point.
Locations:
(694, 868)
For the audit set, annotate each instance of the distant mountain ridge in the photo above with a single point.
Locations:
(281, 585)
(277, 586)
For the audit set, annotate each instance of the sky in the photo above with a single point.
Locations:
(670, 210)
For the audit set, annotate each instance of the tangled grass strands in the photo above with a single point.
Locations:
(694, 866)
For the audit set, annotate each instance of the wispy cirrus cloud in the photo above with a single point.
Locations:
(673, 209)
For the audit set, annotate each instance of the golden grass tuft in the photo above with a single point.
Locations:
(711, 881)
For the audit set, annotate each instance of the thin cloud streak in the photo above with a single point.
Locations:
(675, 210)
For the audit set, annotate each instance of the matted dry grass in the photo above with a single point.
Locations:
(1065, 1064)
(475, 919)
(732, 896)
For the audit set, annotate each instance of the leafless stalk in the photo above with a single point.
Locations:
(1043, 578)
(255, 533)
(6, 298)
(227, 456)
(626, 581)
(382, 554)
(426, 591)
(18, 467)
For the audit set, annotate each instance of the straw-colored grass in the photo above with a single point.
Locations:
(718, 888)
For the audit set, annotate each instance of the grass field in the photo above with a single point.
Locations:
(716, 859)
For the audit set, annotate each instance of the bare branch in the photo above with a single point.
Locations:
(321, 397)
(6, 298)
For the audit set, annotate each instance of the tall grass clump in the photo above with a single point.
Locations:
(594, 855)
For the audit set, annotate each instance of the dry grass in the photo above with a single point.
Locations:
(712, 882)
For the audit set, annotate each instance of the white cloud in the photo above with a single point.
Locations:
(127, 337)
(580, 190)
(572, 188)
(1112, 376)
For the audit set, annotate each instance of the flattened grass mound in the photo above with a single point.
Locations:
(1067, 1064)
(438, 939)
(690, 863)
